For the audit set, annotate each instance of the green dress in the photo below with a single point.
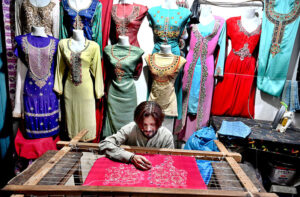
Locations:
(121, 99)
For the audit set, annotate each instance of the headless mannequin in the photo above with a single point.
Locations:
(169, 4)
(77, 40)
(38, 31)
(40, 3)
(123, 41)
(125, 1)
(206, 16)
(165, 49)
(79, 4)
(249, 19)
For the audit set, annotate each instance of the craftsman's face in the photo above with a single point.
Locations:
(149, 128)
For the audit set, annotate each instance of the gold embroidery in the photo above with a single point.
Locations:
(118, 67)
(41, 115)
(42, 131)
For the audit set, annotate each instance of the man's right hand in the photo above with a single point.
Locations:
(140, 162)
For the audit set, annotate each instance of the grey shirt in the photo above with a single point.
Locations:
(131, 135)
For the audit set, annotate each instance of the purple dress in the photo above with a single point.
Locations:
(198, 77)
(41, 109)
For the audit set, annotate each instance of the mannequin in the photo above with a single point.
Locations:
(38, 31)
(249, 19)
(165, 49)
(77, 40)
(79, 4)
(123, 41)
(126, 1)
(206, 16)
(40, 3)
(169, 4)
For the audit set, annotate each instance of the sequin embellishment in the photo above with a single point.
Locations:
(118, 67)
(243, 52)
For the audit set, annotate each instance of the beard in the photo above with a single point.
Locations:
(149, 133)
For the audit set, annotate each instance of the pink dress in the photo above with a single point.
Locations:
(197, 91)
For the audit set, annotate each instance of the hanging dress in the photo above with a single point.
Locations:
(164, 69)
(84, 83)
(168, 26)
(121, 98)
(127, 19)
(198, 78)
(41, 110)
(87, 19)
(231, 94)
(279, 28)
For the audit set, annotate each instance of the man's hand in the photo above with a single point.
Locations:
(140, 162)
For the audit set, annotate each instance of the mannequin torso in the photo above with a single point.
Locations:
(123, 40)
(206, 16)
(79, 4)
(38, 31)
(249, 20)
(165, 49)
(40, 3)
(77, 41)
(169, 4)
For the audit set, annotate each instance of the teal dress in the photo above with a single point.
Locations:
(279, 28)
(4, 136)
(168, 26)
(121, 97)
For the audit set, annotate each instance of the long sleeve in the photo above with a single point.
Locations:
(60, 70)
(21, 75)
(56, 19)
(18, 29)
(221, 59)
(63, 33)
(96, 71)
(111, 145)
(97, 26)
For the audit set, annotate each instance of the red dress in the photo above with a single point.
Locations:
(126, 20)
(232, 93)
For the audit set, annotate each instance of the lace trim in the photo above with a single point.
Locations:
(118, 67)
(242, 29)
(280, 21)
(122, 23)
(162, 73)
(243, 52)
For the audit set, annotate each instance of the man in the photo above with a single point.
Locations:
(145, 131)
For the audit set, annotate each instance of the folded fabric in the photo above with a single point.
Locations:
(235, 128)
(290, 95)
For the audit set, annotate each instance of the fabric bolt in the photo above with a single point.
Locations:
(290, 95)
(235, 128)
(41, 110)
(33, 148)
(168, 26)
(232, 93)
(132, 135)
(127, 19)
(87, 19)
(166, 172)
(279, 28)
(84, 83)
(197, 91)
(9, 32)
(164, 69)
(4, 132)
(121, 98)
(28, 15)
(100, 104)
(203, 140)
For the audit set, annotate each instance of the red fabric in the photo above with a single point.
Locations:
(121, 11)
(106, 21)
(33, 148)
(166, 172)
(231, 94)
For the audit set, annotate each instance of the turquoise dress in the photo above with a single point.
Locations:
(4, 137)
(279, 28)
(167, 26)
